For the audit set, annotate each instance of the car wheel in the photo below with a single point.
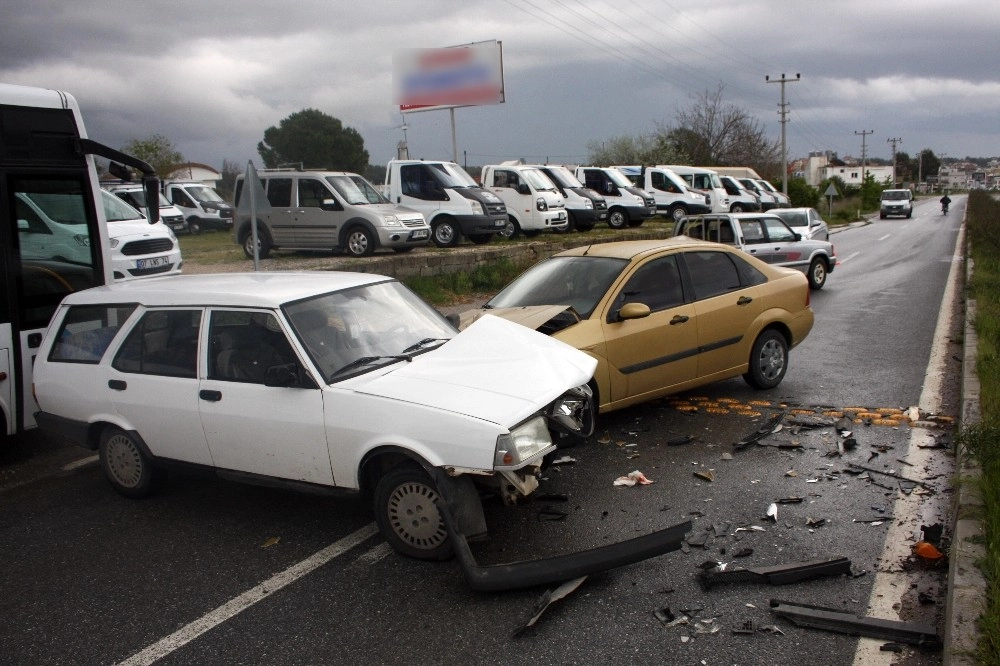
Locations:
(736, 208)
(768, 360)
(512, 229)
(263, 244)
(444, 233)
(402, 250)
(360, 242)
(407, 516)
(635, 223)
(617, 218)
(530, 233)
(194, 226)
(481, 239)
(817, 273)
(881, 216)
(677, 212)
(582, 227)
(129, 470)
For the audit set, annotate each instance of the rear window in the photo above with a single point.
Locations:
(87, 331)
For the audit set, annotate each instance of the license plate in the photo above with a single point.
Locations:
(602, 216)
(152, 263)
(562, 217)
(499, 223)
(420, 233)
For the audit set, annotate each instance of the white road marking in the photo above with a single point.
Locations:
(889, 587)
(80, 463)
(239, 604)
(884, 237)
(840, 262)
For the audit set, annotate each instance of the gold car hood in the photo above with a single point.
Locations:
(531, 316)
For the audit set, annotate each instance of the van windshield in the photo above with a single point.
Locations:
(896, 195)
(563, 177)
(356, 190)
(618, 178)
(450, 175)
(202, 194)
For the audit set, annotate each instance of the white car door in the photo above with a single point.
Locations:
(269, 430)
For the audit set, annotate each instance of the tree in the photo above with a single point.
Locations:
(314, 140)
(227, 184)
(802, 194)
(712, 133)
(642, 149)
(158, 151)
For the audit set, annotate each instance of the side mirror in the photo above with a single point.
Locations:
(633, 311)
(283, 376)
(329, 204)
(151, 187)
(522, 188)
(798, 237)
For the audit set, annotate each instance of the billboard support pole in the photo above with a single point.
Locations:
(454, 141)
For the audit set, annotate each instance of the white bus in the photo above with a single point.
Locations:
(53, 236)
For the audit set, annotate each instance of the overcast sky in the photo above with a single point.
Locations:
(212, 76)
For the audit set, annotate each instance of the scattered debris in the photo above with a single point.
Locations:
(551, 514)
(633, 478)
(699, 539)
(781, 574)
(547, 600)
(751, 528)
(772, 512)
(790, 500)
(872, 521)
(707, 475)
(604, 439)
(565, 460)
(271, 542)
(927, 551)
(721, 529)
(891, 647)
(833, 619)
(664, 615)
(810, 422)
(727, 456)
(678, 441)
(898, 477)
(791, 473)
(760, 433)
(743, 552)
(925, 599)
(747, 627)
(552, 497)
(816, 522)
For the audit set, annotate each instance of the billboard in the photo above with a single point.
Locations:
(426, 79)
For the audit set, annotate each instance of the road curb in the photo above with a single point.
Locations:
(966, 583)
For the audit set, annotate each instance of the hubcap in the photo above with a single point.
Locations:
(124, 461)
(414, 518)
(444, 234)
(772, 359)
(357, 243)
(818, 273)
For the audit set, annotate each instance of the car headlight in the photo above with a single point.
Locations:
(587, 203)
(478, 208)
(170, 232)
(82, 239)
(113, 242)
(541, 204)
(391, 220)
(522, 444)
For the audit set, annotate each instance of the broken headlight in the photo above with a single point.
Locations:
(524, 443)
(573, 412)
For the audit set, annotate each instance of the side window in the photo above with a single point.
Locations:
(712, 273)
(657, 180)
(87, 331)
(501, 178)
(163, 342)
(778, 232)
(749, 275)
(753, 232)
(695, 229)
(243, 345)
(312, 192)
(656, 284)
(721, 231)
(409, 179)
(179, 197)
(279, 191)
(593, 180)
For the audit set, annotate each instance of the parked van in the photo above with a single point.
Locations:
(628, 206)
(201, 206)
(453, 203)
(669, 191)
(740, 199)
(705, 180)
(533, 203)
(584, 207)
(325, 210)
(781, 199)
(135, 195)
(767, 200)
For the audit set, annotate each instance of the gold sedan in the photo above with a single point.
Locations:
(662, 316)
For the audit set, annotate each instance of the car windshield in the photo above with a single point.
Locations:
(895, 195)
(579, 282)
(350, 332)
(794, 218)
(116, 210)
(203, 194)
(356, 190)
(563, 177)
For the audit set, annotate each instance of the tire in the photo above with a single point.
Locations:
(406, 515)
(481, 239)
(617, 218)
(677, 212)
(768, 360)
(125, 465)
(263, 244)
(737, 208)
(817, 273)
(531, 233)
(881, 216)
(582, 228)
(402, 250)
(512, 230)
(360, 242)
(445, 233)
(635, 223)
(194, 226)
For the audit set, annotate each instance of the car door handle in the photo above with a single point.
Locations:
(679, 319)
(743, 300)
(117, 384)
(211, 396)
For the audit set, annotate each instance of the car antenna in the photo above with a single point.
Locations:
(587, 250)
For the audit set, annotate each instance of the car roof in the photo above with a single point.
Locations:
(267, 290)
(630, 249)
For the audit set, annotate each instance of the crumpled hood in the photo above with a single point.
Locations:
(494, 370)
(533, 316)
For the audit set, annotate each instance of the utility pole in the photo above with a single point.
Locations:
(894, 142)
(783, 114)
(864, 134)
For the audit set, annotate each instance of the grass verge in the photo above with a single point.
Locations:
(456, 287)
(983, 439)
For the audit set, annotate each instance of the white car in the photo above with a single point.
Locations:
(315, 381)
(805, 221)
(138, 248)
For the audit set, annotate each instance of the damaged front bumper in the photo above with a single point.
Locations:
(532, 573)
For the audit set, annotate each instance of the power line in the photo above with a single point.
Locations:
(783, 114)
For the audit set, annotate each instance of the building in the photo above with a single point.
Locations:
(198, 172)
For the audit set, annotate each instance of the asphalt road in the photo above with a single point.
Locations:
(213, 572)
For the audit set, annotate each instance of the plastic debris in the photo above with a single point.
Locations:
(816, 522)
(790, 500)
(271, 542)
(548, 599)
(927, 551)
(772, 512)
(743, 552)
(604, 439)
(835, 619)
(707, 475)
(678, 441)
(791, 473)
(781, 574)
(551, 514)
(727, 456)
(633, 478)
(565, 460)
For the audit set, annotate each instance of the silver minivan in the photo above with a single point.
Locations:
(317, 210)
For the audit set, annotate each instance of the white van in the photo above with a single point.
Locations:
(202, 206)
(533, 203)
(324, 210)
(672, 195)
(584, 206)
(741, 200)
(628, 206)
(705, 180)
(134, 195)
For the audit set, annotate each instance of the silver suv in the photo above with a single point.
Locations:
(325, 210)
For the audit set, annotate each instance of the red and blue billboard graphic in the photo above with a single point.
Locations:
(428, 79)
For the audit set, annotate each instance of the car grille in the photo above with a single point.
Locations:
(419, 222)
(496, 209)
(650, 201)
(600, 205)
(172, 219)
(148, 246)
(226, 213)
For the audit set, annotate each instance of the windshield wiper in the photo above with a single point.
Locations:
(426, 341)
(366, 360)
